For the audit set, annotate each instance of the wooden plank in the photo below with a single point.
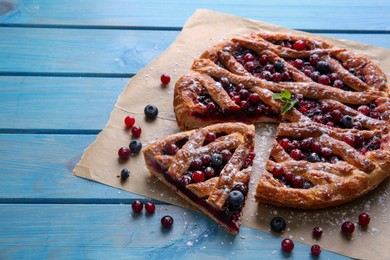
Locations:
(112, 53)
(104, 231)
(37, 168)
(80, 51)
(332, 14)
(57, 102)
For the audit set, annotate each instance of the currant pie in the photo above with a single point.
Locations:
(332, 145)
(209, 167)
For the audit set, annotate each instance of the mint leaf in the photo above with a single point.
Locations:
(288, 105)
(286, 96)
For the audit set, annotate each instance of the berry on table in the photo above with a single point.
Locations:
(124, 153)
(278, 224)
(165, 79)
(287, 245)
(135, 146)
(151, 111)
(317, 232)
(125, 173)
(137, 206)
(347, 228)
(129, 121)
(364, 219)
(150, 207)
(167, 221)
(136, 131)
(315, 250)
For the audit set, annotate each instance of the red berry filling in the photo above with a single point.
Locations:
(289, 179)
(321, 112)
(249, 102)
(307, 149)
(261, 66)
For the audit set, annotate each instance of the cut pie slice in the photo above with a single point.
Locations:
(333, 143)
(209, 167)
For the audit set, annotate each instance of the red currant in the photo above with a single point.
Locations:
(299, 45)
(129, 121)
(364, 219)
(210, 137)
(317, 232)
(165, 79)
(277, 171)
(137, 206)
(197, 176)
(136, 131)
(347, 228)
(287, 245)
(167, 221)
(296, 154)
(124, 153)
(315, 250)
(150, 207)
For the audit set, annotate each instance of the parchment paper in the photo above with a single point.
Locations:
(205, 28)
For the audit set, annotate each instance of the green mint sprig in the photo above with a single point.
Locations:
(286, 96)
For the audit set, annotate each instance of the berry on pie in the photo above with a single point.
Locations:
(332, 145)
(209, 167)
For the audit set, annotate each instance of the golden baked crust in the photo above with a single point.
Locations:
(176, 167)
(351, 118)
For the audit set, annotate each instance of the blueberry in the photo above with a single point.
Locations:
(313, 157)
(125, 173)
(279, 66)
(278, 224)
(347, 121)
(216, 159)
(235, 198)
(151, 111)
(307, 185)
(323, 67)
(135, 146)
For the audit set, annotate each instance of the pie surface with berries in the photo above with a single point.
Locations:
(332, 145)
(209, 167)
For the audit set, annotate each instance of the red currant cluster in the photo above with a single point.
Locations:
(347, 228)
(137, 206)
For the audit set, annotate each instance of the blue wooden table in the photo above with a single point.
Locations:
(62, 66)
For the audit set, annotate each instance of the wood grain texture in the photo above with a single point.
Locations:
(71, 103)
(37, 168)
(80, 51)
(99, 53)
(106, 231)
(328, 15)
